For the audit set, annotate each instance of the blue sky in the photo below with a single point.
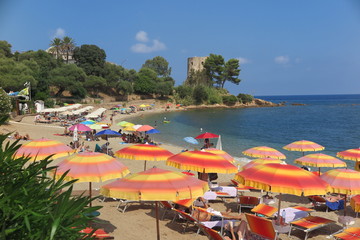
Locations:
(285, 47)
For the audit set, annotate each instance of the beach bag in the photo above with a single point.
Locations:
(213, 176)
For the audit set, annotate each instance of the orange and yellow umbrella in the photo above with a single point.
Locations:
(156, 184)
(145, 152)
(303, 146)
(320, 160)
(350, 154)
(261, 161)
(201, 161)
(264, 152)
(41, 148)
(220, 153)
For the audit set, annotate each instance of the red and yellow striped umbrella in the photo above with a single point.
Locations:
(220, 153)
(282, 178)
(350, 154)
(303, 146)
(201, 161)
(41, 148)
(264, 152)
(145, 152)
(320, 160)
(91, 167)
(261, 161)
(156, 184)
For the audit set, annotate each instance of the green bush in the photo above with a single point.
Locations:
(229, 100)
(214, 96)
(245, 98)
(34, 205)
(49, 103)
(200, 94)
(5, 104)
(41, 96)
(184, 91)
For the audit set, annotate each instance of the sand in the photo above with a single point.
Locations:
(138, 222)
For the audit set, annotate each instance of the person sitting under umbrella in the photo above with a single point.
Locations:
(105, 149)
(335, 202)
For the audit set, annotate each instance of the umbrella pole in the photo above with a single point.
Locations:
(345, 205)
(145, 165)
(319, 171)
(157, 220)
(278, 220)
(90, 193)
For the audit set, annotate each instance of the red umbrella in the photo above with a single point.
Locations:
(303, 146)
(207, 135)
(264, 152)
(350, 154)
(144, 128)
(220, 153)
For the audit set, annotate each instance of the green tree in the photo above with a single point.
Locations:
(200, 95)
(5, 104)
(159, 65)
(229, 100)
(65, 77)
(113, 73)
(5, 49)
(214, 67)
(95, 84)
(146, 81)
(245, 98)
(231, 72)
(91, 59)
(124, 88)
(164, 88)
(198, 78)
(67, 47)
(56, 47)
(184, 91)
(34, 205)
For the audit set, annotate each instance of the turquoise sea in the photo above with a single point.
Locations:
(330, 120)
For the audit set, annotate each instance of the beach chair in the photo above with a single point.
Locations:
(352, 233)
(211, 233)
(264, 210)
(187, 218)
(167, 207)
(98, 234)
(309, 224)
(261, 226)
(126, 203)
(247, 202)
(317, 201)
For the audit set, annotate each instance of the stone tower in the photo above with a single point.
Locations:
(196, 64)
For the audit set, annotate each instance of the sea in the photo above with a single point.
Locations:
(332, 121)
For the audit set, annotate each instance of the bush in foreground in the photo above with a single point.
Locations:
(245, 98)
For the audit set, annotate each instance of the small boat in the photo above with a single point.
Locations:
(166, 121)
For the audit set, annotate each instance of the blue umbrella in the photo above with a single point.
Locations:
(191, 140)
(87, 122)
(108, 133)
(153, 131)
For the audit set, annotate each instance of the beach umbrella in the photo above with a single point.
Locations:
(350, 154)
(144, 128)
(80, 127)
(303, 146)
(152, 131)
(343, 181)
(95, 126)
(136, 126)
(129, 124)
(41, 148)
(202, 162)
(122, 123)
(283, 179)
(191, 140)
(75, 134)
(320, 160)
(129, 129)
(260, 161)
(264, 152)
(142, 106)
(145, 152)
(108, 133)
(156, 185)
(88, 122)
(91, 167)
(207, 135)
(220, 153)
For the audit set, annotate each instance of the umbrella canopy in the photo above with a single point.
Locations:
(282, 178)
(320, 160)
(350, 154)
(80, 127)
(129, 129)
(207, 135)
(92, 167)
(95, 126)
(191, 140)
(144, 128)
(303, 146)
(260, 161)
(156, 184)
(122, 123)
(264, 152)
(40, 148)
(220, 153)
(153, 131)
(108, 133)
(201, 161)
(88, 122)
(145, 152)
(128, 124)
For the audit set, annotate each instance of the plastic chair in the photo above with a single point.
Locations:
(261, 226)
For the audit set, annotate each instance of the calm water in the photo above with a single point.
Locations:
(329, 120)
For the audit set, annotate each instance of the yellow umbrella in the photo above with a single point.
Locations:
(129, 128)
(128, 124)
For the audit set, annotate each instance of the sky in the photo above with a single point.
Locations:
(285, 47)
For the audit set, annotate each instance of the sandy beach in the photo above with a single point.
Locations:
(138, 222)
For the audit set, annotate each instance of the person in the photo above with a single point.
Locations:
(232, 232)
(66, 131)
(17, 135)
(207, 143)
(212, 215)
(26, 137)
(335, 202)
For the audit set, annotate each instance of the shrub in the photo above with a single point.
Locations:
(49, 103)
(214, 96)
(41, 96)
(184, 91)
(200, 95)
(5, 104)
(229, 100)
(245, 98)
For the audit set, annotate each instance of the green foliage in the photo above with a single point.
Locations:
(200, 95)
(145, 82)
(49, 103)
(198, 78)
(214, 96)
(34, 205)
(41, 96)
(159, 65)
(91, 59)
(5, 49)
(77, 90)
(113, 73)
(184, 91)
(231, 72)
(95, 84)
(164, 88)
(5, 104)
(124, 88)
(245, 98)
(229, 100)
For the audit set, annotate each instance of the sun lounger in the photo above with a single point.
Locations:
(247, 202)
(352, 233)
(264, 210)
(261, 226)
(355, 204)
(317, 201)
(309, 224)
(211, 233)
(126, 203)
(98, 234)
(166, 206)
